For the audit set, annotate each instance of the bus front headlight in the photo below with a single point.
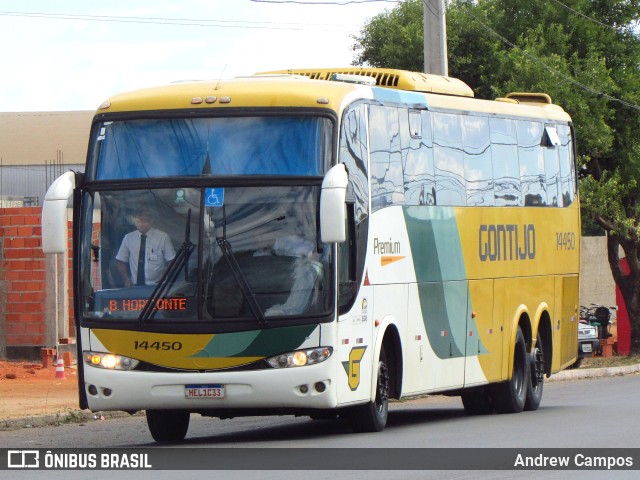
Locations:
(109, 361)
(300, 358)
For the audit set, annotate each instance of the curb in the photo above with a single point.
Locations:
(81, 416)
(73, 416)
(579, 374)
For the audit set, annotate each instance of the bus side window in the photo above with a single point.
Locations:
(449, 160)
(567, 172)
(417, 159)
(387, 184)
(531, 157)
(354, 154)
(551, 149)
(347, 256)
(478, 171)
(504, 158)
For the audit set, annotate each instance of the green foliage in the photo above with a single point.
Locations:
(393, 39)
(585, 54)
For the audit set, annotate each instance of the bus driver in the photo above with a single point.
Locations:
(144, 253)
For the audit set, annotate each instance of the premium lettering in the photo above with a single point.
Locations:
(381, 247)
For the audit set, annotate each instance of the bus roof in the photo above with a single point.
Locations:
(330, 88)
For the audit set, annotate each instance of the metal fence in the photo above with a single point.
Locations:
(25, 185)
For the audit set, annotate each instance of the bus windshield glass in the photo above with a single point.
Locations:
(211, 254)
(260, 145)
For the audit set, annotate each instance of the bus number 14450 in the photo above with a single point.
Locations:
(145, 345)
(565, 241)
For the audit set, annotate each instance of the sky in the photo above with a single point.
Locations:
(74, 54)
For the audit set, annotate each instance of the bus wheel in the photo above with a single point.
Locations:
(510, 396)
(168, 425)
(536, 377)
(372, 417)
(477, 401)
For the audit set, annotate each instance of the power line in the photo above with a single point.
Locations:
(180, 21)
(551, 69)
(586, 16)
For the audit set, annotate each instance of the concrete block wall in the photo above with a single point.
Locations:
(25, 317)
(596, 281)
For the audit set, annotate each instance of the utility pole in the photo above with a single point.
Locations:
(435, 37)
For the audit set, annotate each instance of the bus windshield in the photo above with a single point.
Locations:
(268, 145)
(209, 254)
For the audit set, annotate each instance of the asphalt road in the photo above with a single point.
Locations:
(594, 413)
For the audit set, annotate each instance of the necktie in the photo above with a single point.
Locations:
(141, 258)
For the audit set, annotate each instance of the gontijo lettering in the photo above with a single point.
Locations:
(507, 242)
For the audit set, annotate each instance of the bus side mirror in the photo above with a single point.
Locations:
(54, 213)
(332, 205)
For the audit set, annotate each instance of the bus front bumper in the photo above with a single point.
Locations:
(309, 387)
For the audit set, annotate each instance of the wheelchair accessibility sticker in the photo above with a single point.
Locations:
(214, 197)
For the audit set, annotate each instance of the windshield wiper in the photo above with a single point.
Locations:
(245, 288)
(170, 275)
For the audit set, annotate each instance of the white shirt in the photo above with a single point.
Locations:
(159, 252)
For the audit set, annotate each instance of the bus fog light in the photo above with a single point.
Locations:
(300, 358)
(320, 387)
(304, 388)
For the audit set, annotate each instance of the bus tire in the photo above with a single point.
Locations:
(168, 425)
(537, 369)
(372, 416)
(510, 396)
(477, 401)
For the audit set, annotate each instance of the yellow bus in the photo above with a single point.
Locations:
(318, 242)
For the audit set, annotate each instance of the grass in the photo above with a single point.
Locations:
(615, 361)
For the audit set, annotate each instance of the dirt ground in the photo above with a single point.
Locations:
(27, 389)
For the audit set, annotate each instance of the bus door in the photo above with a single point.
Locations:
(355, 349)
(566, 324)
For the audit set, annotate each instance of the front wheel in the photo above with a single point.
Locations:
(372, 416)
(168, 425)
(510, 396)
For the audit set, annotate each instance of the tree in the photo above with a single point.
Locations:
(586, 55)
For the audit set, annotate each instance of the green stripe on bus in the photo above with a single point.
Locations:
(441, 277)
(257, 343)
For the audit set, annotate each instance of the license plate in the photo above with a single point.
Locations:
(586, 347)
(204, 391)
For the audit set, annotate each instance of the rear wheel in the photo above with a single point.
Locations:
(510, 396)
(537, 369)
(372, 416)
(168, 425)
